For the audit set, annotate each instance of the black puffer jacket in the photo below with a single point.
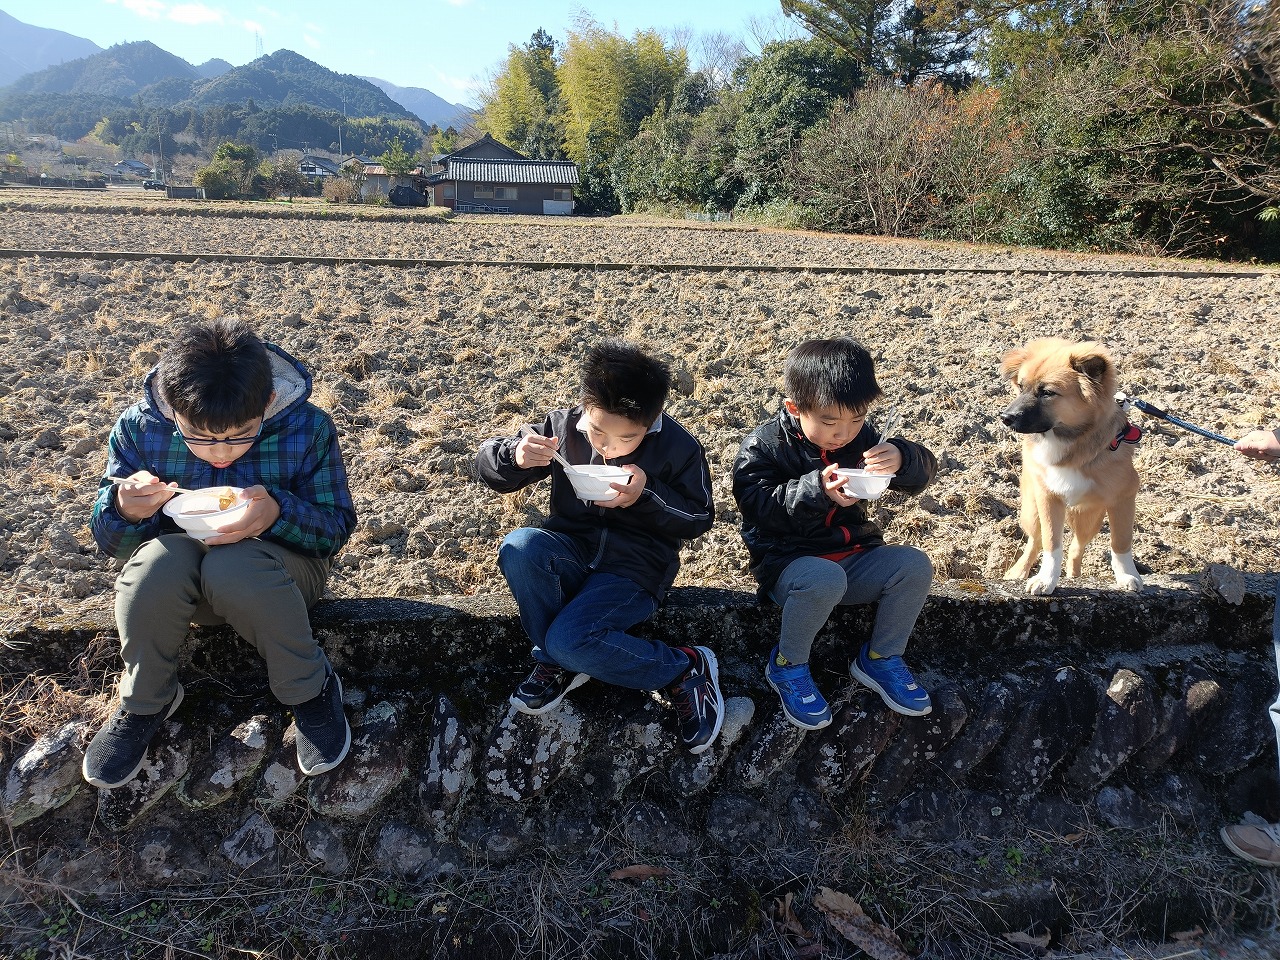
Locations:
(777, 481)
(640, 542)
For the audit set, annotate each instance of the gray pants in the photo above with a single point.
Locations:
(261, 589)
(894, 576)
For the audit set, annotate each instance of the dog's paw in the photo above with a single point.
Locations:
(1041, 586)
(1126, 582)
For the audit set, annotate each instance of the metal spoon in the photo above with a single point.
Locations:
(891, 420)
(123, 480)
(562, 461)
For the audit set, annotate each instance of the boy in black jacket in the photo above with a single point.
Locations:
(812, 546)
(596, 569)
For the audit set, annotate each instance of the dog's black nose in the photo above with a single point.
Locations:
(1008, 418)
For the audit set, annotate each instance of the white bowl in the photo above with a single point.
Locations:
(197, 512)
(864, 485)
(591, 481)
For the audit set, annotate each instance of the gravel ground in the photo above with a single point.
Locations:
(418, 365)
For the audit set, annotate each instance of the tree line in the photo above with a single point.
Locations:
(1141, 125)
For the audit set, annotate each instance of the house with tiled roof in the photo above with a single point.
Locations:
(489, 177)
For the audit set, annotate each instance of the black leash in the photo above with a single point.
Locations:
(1153, 411)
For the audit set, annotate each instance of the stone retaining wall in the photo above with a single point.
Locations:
(1088, 707)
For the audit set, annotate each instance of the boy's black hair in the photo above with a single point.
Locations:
(830, 373)
(216, 376)
(619, 378)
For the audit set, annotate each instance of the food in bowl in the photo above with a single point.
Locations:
(863, 484)
(591, 481)
(201, 512)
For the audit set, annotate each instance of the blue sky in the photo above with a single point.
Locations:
(443, 45)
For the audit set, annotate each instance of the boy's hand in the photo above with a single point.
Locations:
(1260, 445)
(262, 513)
(628, 493)
(833, 487)
(534, 450)
(142, 496)
(883, 458)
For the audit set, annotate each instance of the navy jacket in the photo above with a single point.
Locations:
(777, 481)
(641, 542)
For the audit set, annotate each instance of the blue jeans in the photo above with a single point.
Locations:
(578, 619)
(894, 576)
(1275, 644)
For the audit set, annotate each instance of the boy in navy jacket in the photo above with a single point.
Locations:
(812, 545)
(596, 569)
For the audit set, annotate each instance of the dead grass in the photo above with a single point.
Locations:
(614, 900)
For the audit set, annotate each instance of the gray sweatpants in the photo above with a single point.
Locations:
(262, 590)
(895, 576)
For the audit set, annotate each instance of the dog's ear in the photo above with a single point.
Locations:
(1093, 363)
(1011, 361)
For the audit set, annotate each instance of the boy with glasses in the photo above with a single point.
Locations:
(222, 409)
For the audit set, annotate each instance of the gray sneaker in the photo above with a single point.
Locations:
(324, 736)
(117, 751)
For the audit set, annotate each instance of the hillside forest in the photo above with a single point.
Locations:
(1147, 126)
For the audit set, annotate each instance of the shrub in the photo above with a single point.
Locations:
(340, 190)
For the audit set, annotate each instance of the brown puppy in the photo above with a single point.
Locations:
(1077, 459)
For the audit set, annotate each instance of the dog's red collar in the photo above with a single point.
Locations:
(1128, 434)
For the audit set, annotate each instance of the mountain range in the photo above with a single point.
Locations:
(53, 62)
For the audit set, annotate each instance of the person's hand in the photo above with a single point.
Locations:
(883, 458)
(263, 511)
(534, 450)
(628, 493)
(1260, 445)
(833, 487)
(142, 496)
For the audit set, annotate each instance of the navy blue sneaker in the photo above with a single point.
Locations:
(117, 751)
(545, 686)
(889, 677)
(698, 701)
(802, 704)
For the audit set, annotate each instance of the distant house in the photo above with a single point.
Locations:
(312, 166)
(378, 182)
(490, 177)
(132, 167)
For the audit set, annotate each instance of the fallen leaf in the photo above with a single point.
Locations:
(812, 952)
(828, 899)
(439, 908)
(1195, 933)
(786, 918)
(1041, 943)
(639, 872)
(848, 919)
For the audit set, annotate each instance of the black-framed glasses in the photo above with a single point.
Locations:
(214, 441)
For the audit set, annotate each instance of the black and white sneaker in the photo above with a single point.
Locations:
(544, 688)
(324, 736)
(698, 700)
(116, 752)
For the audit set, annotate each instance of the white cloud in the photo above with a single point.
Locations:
(267, 11)
(194, 14)
(454, 83)
(151, 9)
(253, 26)
(458, 3)
(311, 41)
(313, 28)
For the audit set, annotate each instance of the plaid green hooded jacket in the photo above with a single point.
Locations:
(296, 458)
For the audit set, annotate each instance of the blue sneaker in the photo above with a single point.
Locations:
(889, 677)
(802, 704)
